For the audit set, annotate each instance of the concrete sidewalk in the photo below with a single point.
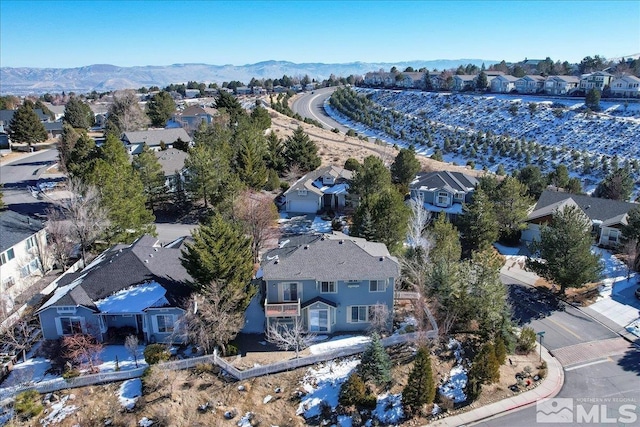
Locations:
(549, 387)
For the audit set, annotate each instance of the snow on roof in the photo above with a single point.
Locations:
(337, 189)
(456, 208)
(61, 292)
(132, 300)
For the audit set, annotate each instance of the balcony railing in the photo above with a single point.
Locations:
(282, 309)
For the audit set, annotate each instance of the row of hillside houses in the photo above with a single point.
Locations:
(498, 82)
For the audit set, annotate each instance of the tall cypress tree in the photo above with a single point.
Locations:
(420, 389)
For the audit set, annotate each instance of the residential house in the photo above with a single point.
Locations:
(503, 84)
(191, 117)
(153, 138)
(23, 244)
(296, 87)
(54, 129)
(411, 80)
(243, 90)
(626, 87)
(331, 282)
(192, 93)
(443, 191)
(310, 86)
(560, 85)
(138, 288)
(462, 82)
(530, 84)
(279, 89)
(172, 162)
(380, 79)
(7, 115)
(325, 188)
(258, 90)
(607, 216)
(597, 80)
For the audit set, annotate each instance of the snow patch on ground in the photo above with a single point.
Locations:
(454, 386)
(129, 392)
(389, 408)
(58, 412)
(337, 343)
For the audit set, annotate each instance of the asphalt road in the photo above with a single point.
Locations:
(311, 104)
(608, 380)
(18, 175)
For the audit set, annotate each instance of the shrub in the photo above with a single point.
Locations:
(70, 373)
(526, 341)
(352, 391)
(203, 368)
(500, 349)
(352, 132)
(335, 130)
(27, 404)
(155, 353)
(352, 164)
(284, 185)
(231, 350)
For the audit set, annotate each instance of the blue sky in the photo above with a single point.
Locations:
(60, 34)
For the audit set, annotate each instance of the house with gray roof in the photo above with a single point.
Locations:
(138, 288)
(325, 188)
(330, 282)
(443, 191)
(530, 84)
(23, 242)
(191, 117)
(607, 216)
(561, 85)
(153, 138)
(172, 162)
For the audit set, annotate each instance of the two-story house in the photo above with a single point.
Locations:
(463, 82)
(331, 282)
(626, 87)
(443, 191)
(191, 117)
(503, 84)
(138, 288)
(530, 84)
(23, 243)
(607, 216)
(325, 188)
(597, 80)
(560, 85)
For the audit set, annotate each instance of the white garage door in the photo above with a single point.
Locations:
(302, 206)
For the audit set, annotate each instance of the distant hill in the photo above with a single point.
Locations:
(104, 77)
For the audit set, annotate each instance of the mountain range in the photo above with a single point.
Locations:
(104, 77)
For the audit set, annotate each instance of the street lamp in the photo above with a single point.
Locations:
(540, 334)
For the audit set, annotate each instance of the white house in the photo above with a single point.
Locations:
(626, 87)
(324, 188)
(560, 85)
(597, 80)
(530, 84)
(503, 84)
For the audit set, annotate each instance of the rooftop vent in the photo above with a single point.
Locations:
(155, 249)
(341, 241)
(275, 262)
(306, 246)
(381, 258)
(146, 261)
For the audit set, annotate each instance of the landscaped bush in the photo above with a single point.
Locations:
(28, 404)
(70, 373)
(526, 341)
(155, 353)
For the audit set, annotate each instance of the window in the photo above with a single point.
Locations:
(319, 320)
(66, 309)
(7, 256)
(328, 287)
(8, 282)
(31, 242)
(376, 285)
(443, 198)
(165, 323)
(302, 192)
(358, 314)
(30, 268)
(289, 292)
(71, 325)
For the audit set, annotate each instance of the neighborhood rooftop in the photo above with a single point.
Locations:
(15, 227)
(596, 209)
(451, 181)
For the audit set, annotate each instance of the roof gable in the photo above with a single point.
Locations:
(15, 227)
(595, 208)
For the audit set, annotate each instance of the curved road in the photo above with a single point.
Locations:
(311, 105)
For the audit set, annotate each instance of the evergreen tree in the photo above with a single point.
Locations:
(260, 118)
(301, 151)
(592, 99)
(488, 293)
(250, 164)
(482, 81)
(617, 185)
(160, 108)
(485, 369)
(500, 349)
(77, 151)
(151, 174)
(78, 114)
(352, 391)
(386, 215)
(559, 177)
(478, 223)
(375, 365)
(221, 252)
(420, 389)
(512, 207)
(371, 178)
(405, 167)
(227, 102)
(631, 233)
(565, 247)
(26, 127)
(181, 145)
(122, 193)
(274, 156)
(352, 164)
(534, 180)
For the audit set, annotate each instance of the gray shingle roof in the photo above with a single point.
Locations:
(121, 267)
(595, 208)
(306, 182)
(451, 181)
(171, 160)
(152, 137)
(15, 227)
(329, 257)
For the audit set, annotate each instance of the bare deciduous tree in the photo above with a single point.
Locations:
(379, 319)
(125, 113)
(83, 349)
(631, 255)
(59, 238)
(212, 318)
(18, 336)
(418, 221)
(288, 337)
(258, 215)
(85, 212)
(131, 344)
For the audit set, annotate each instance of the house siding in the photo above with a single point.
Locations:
(49, 321)
(150, 323)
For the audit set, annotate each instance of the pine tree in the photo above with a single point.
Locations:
(160, 108)
(274, 156)
(250, 163)
(382, 217)
(420, 389)
(150, 172)
(512, 207)
(405, 167)
(220, 251)
(371, 178)
(260, 118)
(78, 114)
(565, 247)
(26, 127)
(300, 150)
(478, 224)
(122, 193)
(352, 391)
(375, 365)
(617, 185)
(486, 367)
